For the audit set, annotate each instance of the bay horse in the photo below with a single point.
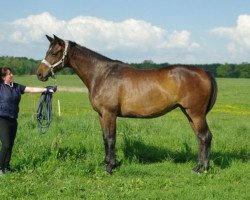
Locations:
(119, 90)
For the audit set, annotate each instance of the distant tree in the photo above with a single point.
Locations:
(148, 64)
(19, 65)
(226, 70)
(243, 70)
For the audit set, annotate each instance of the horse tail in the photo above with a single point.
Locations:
(214, 90)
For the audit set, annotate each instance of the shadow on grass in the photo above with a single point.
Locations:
(135, 150)
(224, 159)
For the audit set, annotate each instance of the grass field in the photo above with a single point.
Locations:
(157, 155)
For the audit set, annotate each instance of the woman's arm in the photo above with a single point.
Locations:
(35, 89)
(50, 89)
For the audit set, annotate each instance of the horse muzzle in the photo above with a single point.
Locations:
(43, 72)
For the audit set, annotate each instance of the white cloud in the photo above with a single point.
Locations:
(34, 27)
(179, 40)
(239, 36)
(95, 33)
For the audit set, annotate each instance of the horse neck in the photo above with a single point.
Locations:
(87, 64)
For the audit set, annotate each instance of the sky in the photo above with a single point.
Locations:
(163, 31)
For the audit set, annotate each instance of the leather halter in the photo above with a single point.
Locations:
(52, 66)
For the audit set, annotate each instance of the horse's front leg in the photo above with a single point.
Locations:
(108, 123)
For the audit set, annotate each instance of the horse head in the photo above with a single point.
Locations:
(55, 59)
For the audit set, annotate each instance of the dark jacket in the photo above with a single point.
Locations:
(10, 97)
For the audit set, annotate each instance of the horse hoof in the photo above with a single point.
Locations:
(109, 169)
(199, 169)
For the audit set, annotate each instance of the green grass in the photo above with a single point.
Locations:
(157, 155)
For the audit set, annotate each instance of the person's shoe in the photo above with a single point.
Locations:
(1, 172)
(7, 169)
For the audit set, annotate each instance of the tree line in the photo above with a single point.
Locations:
(225, 70)
(25, 66)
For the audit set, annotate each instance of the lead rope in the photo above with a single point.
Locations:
(44, 111)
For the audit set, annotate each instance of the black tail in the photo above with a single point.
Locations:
(214, 90)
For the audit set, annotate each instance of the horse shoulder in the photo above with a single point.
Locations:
(104, 94)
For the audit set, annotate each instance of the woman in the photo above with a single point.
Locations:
(10, 96)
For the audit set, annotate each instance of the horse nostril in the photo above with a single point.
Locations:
(39, 75)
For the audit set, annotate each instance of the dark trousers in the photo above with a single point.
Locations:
(8, 129)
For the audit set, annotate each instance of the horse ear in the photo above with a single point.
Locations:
(59, 40)
(49, 38)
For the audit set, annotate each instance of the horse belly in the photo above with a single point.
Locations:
(146, 106)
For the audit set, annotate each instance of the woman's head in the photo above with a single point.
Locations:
(6, 75)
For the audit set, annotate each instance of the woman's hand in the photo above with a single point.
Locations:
(51, 89)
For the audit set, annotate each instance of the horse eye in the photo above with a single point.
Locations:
(54, 53)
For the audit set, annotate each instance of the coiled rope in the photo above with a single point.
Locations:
(44, 111)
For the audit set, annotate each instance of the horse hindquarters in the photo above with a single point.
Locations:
(196, 110)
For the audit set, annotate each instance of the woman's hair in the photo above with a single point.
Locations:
(3, 72)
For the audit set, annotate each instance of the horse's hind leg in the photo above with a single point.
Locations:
(204, 138)
(201, 129)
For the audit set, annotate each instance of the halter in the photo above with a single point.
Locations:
(44, 61)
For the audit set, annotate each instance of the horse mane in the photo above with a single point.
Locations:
(90, 52)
